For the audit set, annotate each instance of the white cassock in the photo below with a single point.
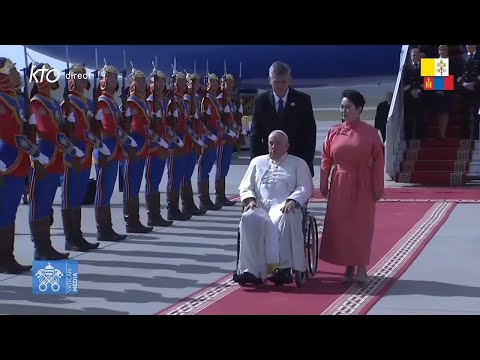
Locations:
(267, 236)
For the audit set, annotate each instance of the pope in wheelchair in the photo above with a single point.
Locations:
(273, 191)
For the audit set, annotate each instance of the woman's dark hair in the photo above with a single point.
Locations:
(354, 97)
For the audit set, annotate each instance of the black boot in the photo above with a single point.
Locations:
(131, 209)
(74, 240)
(173, 212)
(8, 264)
(220, 192)
(153, 206)
(105, 232)
(188, 204)
(204, 195)
(40, 230)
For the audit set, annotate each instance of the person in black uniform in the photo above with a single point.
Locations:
(413, 97)
(381, 116)
(467, 82)
(441, 101)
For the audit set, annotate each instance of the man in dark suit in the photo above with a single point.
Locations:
(381, 116)
(468, 85)
(414, 116)
(287, 109)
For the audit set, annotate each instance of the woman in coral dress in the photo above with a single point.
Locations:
(355, 151)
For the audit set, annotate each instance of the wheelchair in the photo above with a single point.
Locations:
(310, 241)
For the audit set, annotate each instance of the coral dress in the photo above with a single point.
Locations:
(357, 153)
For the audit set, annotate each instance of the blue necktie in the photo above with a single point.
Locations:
(280, 106)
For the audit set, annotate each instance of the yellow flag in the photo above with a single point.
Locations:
(427, 67)
(434, 67)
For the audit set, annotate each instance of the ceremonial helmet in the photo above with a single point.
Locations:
(134, 75)
(107, 69)
(5, 66)
(159, 74)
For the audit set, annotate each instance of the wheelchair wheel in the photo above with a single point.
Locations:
(312, 245)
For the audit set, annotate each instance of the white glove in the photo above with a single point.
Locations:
(104, 150)
(162, 143)
(78, 153)
(209, 112)
(158, 113)
(196, 115)
(175, 113)
(3, 167)
(199, 141)
(244, 132)
(32, 120)
(231, 133)
(212, 136)
(128, 112)
(226, 109)
(132, 142)
(240, 109)
(42, 159)
(71, 118)
(99, 115)
(89, 114)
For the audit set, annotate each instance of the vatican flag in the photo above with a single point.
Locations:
(434, 67)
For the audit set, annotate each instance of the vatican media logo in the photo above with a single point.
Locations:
(53, 75)
(55, 277)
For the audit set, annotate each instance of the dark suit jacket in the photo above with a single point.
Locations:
(381, 118)
(296, 120)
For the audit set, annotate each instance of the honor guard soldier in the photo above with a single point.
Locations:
(192, 117)
(115, 139)
(133, 166)
(54, 143)
(16, 148)
(75, 184)
(210, 115)
(158, 152)
(468, 83)
(413, 96)
(225, 149)
(180, 145)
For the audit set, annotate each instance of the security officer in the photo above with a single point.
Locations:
(413, 97)
(468, 84)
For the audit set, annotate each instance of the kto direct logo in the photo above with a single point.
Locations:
(53, 75)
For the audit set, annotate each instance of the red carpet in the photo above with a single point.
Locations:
(424, 194)
(434, 162)
(401, 231)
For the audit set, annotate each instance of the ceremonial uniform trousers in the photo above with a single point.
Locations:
(176, 167)
(224, 158)
(186, 191)
(16, 160)
(132, 179)
(154, 169)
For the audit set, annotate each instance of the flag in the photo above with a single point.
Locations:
(438, 82)
(434, 67)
